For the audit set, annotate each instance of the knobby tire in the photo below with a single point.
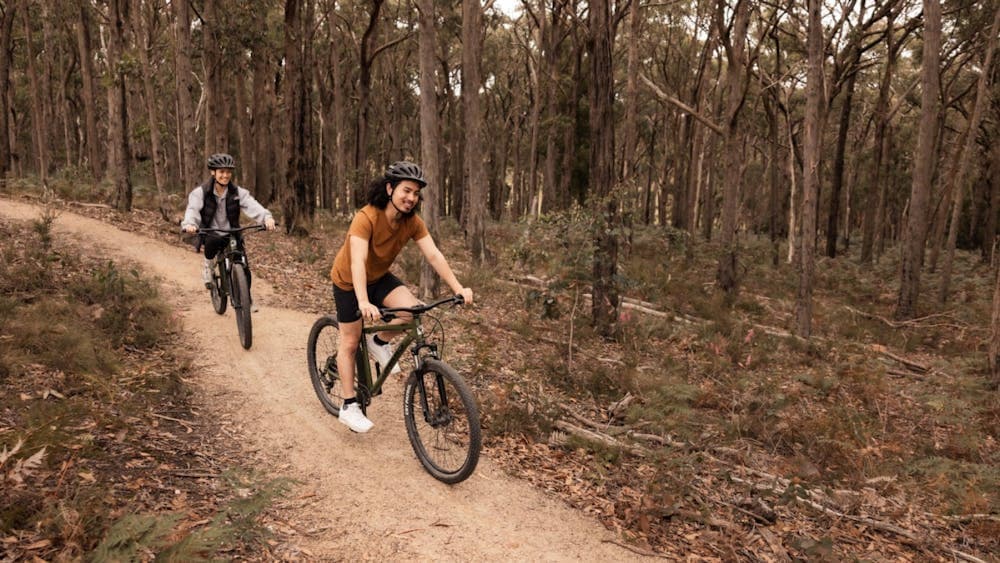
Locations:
(218, 292)
(448, 444)
(241, 305)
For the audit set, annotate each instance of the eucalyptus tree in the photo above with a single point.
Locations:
(430, 136)
(120, 156)
(923, 166)
(475, 218)
(7, 13)
(605, 298)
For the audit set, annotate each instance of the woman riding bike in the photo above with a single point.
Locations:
(361, 279)
(217, 204)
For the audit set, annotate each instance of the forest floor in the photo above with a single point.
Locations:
(704, 432)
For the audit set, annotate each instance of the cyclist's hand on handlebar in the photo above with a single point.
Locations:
(189, 229)
(369, 312)
(269, 223)
(466, 293)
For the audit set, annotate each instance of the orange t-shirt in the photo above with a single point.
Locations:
(384, 244)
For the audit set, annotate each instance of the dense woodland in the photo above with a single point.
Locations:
(821, 125)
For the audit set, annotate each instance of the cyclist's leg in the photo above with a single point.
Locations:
(389, 291)
(347, 348)
(213, 245)
(349, 319)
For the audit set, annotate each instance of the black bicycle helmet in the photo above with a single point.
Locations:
(221, 160)
(404, 170)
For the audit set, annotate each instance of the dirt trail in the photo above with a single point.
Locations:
(367, 493)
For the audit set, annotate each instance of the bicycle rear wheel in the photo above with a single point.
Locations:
(241, 305)
(218, 292)
(442, 422)
(321, 354)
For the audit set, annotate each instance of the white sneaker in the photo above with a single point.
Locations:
(354, 419)
(382, 353)
(206, 273)
(254, 308)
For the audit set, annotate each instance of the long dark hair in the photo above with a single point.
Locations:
(379, 198)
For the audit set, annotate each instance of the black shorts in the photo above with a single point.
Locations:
(347, 301)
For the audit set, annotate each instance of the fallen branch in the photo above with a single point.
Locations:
(598, 437)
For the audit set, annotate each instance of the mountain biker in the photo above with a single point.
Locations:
(361, 279)
(217, 204)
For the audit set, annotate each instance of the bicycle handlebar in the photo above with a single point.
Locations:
(390, 312)
(208, 230)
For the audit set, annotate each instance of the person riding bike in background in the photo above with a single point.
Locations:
(216, 204)
(361, 279)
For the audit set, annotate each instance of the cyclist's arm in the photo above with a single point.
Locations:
(254, 209)
(359, 254)
(440, 265)
(192, 215)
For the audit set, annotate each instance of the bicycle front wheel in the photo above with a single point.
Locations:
(321, 352)
(442, 422)
(241, 305)
(218, 292)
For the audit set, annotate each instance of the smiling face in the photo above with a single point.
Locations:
(223, 175)
(405, 197)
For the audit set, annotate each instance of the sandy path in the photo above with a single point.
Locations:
(368, 493)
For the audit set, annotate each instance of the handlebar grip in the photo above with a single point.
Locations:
(459, 299)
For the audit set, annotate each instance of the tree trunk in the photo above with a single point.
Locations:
(118, 173)
(216, 138)
(39, 126)
(366, 59)
(299, 197)
(604, 305)
(732, 142)
(475, 218)
(430, 137)
(836, 188)
(142, 33)
(965, 155)
(188, 149)
(55, 59)
(923, 166)
(631, 128)
(875, 205)
(810, 172)
(263, 104)
(6, 34)
(994, 353)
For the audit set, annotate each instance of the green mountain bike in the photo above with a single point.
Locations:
(440, 411)
(231, 280)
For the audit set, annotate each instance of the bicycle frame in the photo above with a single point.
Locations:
(413, 340)
(414, 335)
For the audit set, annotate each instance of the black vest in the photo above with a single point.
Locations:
(209, 205)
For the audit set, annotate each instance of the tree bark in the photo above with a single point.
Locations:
(605, 302)
(475, 218)
(299, 196)
(994, 359)
(836, 187)
(7, 14)
(875, 208)
(810, 172)
(732, 142)
(430, 137)
(923, 166)
(188, 149)
(366, 59)
(118, 173)
(965, 155)
(142, 31)
(39, 126)
(216, 138)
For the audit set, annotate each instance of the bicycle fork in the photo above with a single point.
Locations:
(441, 415)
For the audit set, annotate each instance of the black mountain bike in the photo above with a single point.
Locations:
(441, 415)
(230, 278)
